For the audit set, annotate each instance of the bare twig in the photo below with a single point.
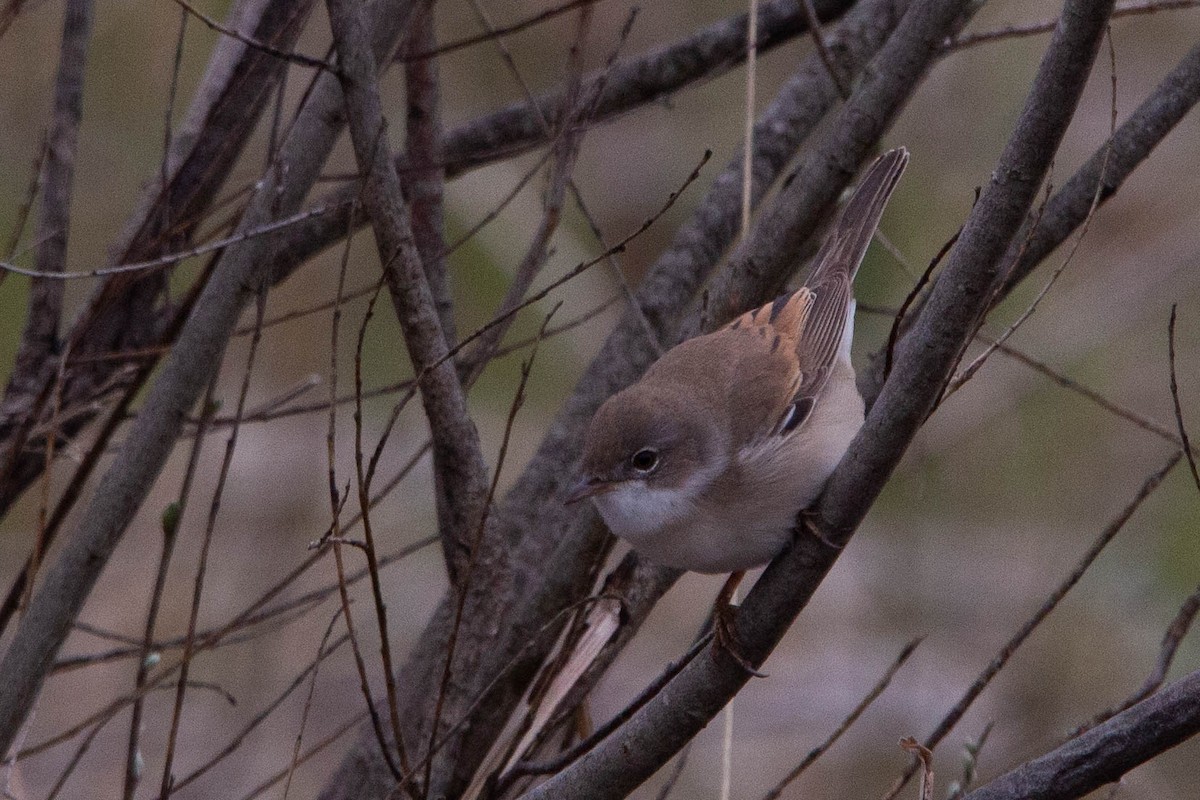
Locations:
(249, 41)
(498, 32)
(850, 719)
(1183, 436)
(814, 32)
(171, 259)
(22, 216)
(947, 723)
(363, 483)
(979, 360)
(899, 317)
(966, 40)
(239, 738)
(172, 516)
(308, 701)
(168, 778)
(1171, 640)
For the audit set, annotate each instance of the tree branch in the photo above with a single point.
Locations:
(39, 341)
(548, 566)
(427, 178)
(118, 316)
(459, 469)
(1106, 752)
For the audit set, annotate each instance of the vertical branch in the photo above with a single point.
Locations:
(427, 177)
(171, 518)
(459, 471)
(39, 341)
(210, 527)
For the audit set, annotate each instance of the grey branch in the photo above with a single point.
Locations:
(39, 341)
(1106, 752)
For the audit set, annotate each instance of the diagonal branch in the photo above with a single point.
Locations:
(459, 469)
(1106, 752)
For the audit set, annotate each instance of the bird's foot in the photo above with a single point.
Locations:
(725, 635)
(809, 522)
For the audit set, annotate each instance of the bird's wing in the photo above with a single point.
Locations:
(769, 370)
(815, 321)
(831, 279)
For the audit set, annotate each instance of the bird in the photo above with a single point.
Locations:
(707, 462)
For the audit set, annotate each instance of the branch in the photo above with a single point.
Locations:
(119, 316)
(459, 469)
(626, 759)
(39, 341)
(426, 182)
(1106, 752)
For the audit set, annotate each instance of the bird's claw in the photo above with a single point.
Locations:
(725, 637)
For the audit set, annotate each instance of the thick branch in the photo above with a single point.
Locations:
(1106, 752)
(633, 753)
(459, 469)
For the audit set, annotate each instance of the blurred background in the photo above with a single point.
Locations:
(1002, 492)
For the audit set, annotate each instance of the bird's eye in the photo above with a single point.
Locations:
(645, 460)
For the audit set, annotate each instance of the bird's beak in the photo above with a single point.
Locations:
(586, 487)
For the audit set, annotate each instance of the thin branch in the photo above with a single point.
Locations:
(168, 778)
(1171, 640)
(171, 259)
(978, 362)
(947, 723)
(21, 218)
(850, 719)
(498, 32)
(172, 516)
(249, 41)
(1183, 436)
(240, 737)
(966, 40)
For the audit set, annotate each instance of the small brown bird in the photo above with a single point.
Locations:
(706, 462)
